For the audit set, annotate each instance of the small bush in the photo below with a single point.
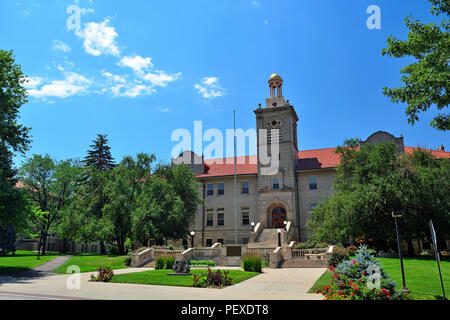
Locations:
(169, 262)
(105, 274)
(339, 255)
(203, 263)
(113, 251)
(127, 260)
(252, 263)
(425, 253)
(352, 250)
(160, 263)
(212, 279)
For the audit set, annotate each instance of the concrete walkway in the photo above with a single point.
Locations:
(41, 270)
(273, 284)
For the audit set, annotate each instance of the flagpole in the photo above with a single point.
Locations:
(235, 182)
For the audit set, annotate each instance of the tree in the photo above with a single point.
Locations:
(374, 180)
(167, 205)
(427, 81)
(99, 156)
(49, 185)
(14, 137)
(123, 185)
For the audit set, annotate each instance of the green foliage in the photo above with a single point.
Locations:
(373, 181)
(99, 156)
(167, 205)
(160, 262)
(352, 250)
(252, 263)
(127, 259)
(426, 81)
(169, 262)
(311, 245)
(212, 279)
(202, 263)
(351, 280)
(338, 256)
(105, 274)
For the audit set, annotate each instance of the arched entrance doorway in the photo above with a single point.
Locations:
(278, 217)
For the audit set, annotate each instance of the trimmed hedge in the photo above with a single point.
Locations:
(203, 263)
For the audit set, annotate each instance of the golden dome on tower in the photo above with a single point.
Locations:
(275, 77)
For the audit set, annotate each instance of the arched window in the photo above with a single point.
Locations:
(276, 184)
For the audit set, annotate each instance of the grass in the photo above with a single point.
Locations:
(421, 273)
(91, 262)
(160, 277)
(23, 261)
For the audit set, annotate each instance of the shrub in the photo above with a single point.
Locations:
(339, 255)
(160, 263)
(105, 274)
(127, 259)
(311, 245)
(212, 279)
(128, 245)
(252, 263)
(203, 263)
(351, 280)
(352, 250)
(425, 253)
(113, 251)
(169, 262)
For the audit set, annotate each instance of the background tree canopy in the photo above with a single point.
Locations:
(374, 180)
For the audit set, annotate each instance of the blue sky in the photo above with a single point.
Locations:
(138, 70)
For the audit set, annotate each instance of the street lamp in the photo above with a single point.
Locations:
(192, 238)
(285, 225)
(395, 215)
(253, 226)
(279, 237)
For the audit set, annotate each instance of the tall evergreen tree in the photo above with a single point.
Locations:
(99, 156)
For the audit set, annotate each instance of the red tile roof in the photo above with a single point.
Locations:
(307, 160)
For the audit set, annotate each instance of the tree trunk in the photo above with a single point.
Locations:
(102, 248)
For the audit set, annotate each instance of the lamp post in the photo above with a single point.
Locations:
(253, 226)
(279, 237)
(285, 225)
(192, 239)
(395, 215)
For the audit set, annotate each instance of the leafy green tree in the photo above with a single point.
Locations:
(99, 156)
(14, 137)
(427, 81)
(373, 181)
(123, 185)
(167, 205)
(49, 185)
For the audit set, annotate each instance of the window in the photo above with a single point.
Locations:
(220, 241)
(209, 217)
(312, 206)
(245, 216)
(220, 216)
(221, 189)
(312, 183)
(245, 240)
(209, 242)
(276, 184)
(245, 187)
(210, 190)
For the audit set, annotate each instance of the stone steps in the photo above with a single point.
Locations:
(304, 263)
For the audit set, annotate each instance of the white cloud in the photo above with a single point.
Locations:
(138, 64)
(160, 78)
(113, 77)
(60, 46)
(131, 90)
(256, 3)
(73, 84)
(163, 109)
(99, 38)
(209, 88)
(32, 82)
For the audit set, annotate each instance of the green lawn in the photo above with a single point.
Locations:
(422, 276)
(23, 261)
(91, 262)
(160, 277)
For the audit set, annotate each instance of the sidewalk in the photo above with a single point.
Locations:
(273, 284)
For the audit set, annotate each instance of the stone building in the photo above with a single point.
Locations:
(266, 200)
